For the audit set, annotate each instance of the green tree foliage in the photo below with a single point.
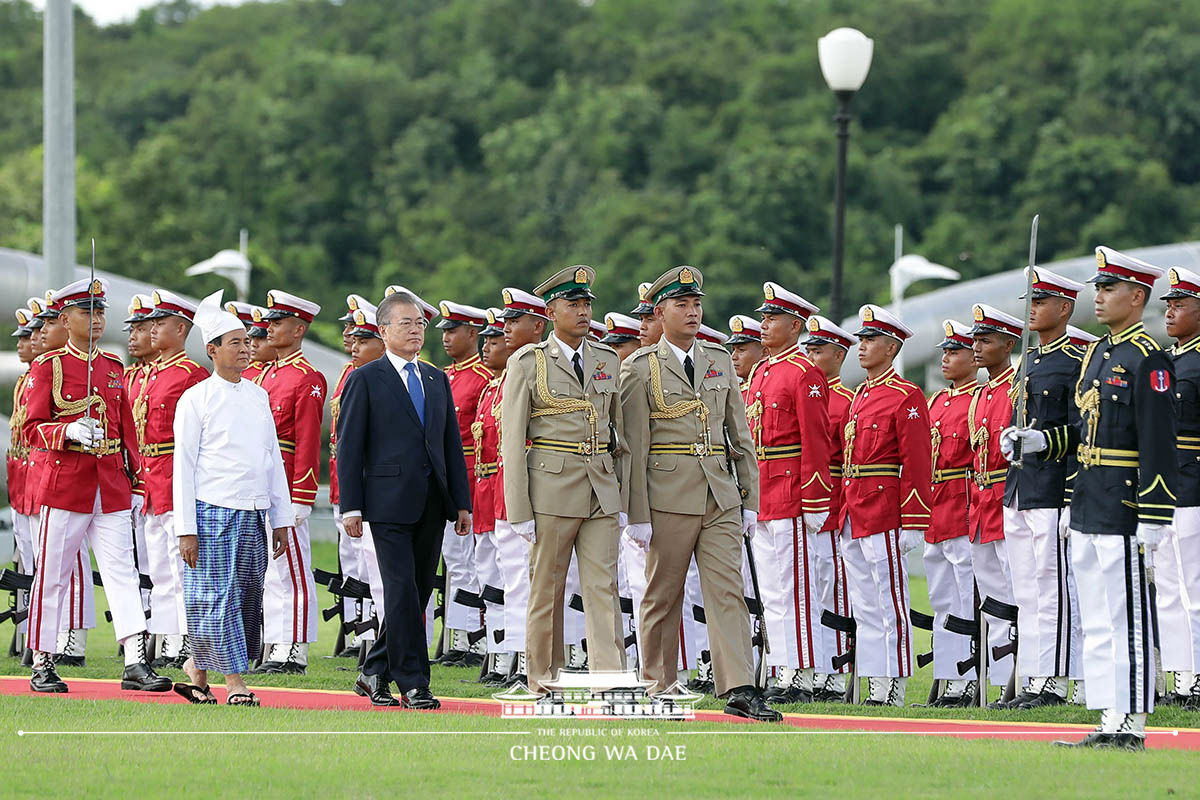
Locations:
(458, 146)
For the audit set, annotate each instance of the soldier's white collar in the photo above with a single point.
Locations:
(682, 354)
(567, 351)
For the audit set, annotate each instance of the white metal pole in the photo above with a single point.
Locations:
(58, 139)
(898, 292)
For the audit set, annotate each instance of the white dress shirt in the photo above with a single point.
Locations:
(682, 354)
(567, 351)
(227, 453)
(399, 362)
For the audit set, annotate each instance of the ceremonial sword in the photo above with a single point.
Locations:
(1025, 343)
(91, 328)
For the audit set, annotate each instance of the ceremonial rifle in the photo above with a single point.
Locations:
(1020, 404)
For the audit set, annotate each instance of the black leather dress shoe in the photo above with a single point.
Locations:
(1043, 700)
(829, 696)
(162, 662)
(143, 678)
(1014, 704)
(451, 658)
(786, 695)
(45, 679)
(420, 699)
(701, 686)
(268, 668)
(293, 668)
(494, 679)
(1116, 741)
(748, 702)
(375, 688)
(70, 661)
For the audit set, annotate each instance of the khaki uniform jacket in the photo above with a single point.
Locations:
(678, 482)
(543, 420)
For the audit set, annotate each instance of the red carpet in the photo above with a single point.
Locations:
(91, 689)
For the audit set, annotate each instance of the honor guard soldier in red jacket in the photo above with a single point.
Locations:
(995, 335)
(885, 504)
(1124, 495)
(745, 347)
(650, 327)
(1177, 560)
(826, 346)
(261, 353)
(460, 325)
(80, 605)
(621, 334)
(85, 431)
(17, 462)
(947, 549)
(789, 422)
(141, 354)
(487, 503)
(1035, 501)
(349, 549)
(297, 391)
(168, 377)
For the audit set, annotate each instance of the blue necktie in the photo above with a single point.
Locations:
(415, 393)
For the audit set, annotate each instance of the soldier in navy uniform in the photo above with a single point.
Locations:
(1036, 497)
(1177, 561)
(1123, 498)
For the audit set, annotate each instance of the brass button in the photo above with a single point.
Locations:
(758, 394)
(989, 397)
(1114, 397)
(873, 425)
(985, 419)
(774, 405)
(541, 463)
(937, 424)
(787, 472)
(67, 396)
(1037, 361)
(1106, 355)
(656, 463)
(880, 486)
(1095, 382)
(1129, 483)
(946, 403)
(1045, 391)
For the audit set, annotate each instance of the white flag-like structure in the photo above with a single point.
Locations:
(229, 264)
(907, 270)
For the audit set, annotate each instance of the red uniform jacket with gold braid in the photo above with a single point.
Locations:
(335, 408)
(135, 376)
(988, 415)
(839, 412)
(467, 381)
(789, 422)
(255, 370)
(154, 421)
(885, 450)
(68, 477)
(950, 445)
(487, 500)
(17, 462)
(297, 393)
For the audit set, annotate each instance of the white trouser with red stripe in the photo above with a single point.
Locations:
(141, 557)
(693, 633)
(165, 568)
(1118, 631)
(808, 578)
(1177, 592)
(369, 569)
(773, 599)
(513, 557)
(80, 610)
(574, 629)
(1038, 566)
(634, 560)
(458, 553)
(289, 590)
(487, 572)
(877, 577)
(951, 592)
(23, 533)
(60, 539)
(989, 562)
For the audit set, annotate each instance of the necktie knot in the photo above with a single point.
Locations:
(415, 392)
(690, 369)
(577, 361)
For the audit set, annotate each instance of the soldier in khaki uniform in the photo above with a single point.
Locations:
(680, 399)
(561, 491)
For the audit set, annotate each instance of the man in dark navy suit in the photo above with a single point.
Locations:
(401, 468)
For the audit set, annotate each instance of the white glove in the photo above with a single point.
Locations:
(639, 533)
(1032, 441)
(302, 512)
(749, 520)
(622, 520)
(1064, 523)
(85, 430)
(911, 539)
(1148, 536)
(526, 531)
(814, 522)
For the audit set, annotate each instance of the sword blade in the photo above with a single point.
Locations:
(1025, 338)
(91, 343)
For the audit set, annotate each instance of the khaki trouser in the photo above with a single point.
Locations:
(716, 539)
(594, 541)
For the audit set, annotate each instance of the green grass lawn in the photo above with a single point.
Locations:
(378, 754)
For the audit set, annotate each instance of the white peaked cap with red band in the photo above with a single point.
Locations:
(620, 328)
(518, 302)
(993, 320)
(169, 304)
(243, 311)
(353, 303)
(282, 304)
(822, 330)
(1079, 336)
(1117, 266)
(876, 320)
(83, 292)
(958, 336)
(778, 300)
(455, 314)
(1184, 283)
(140, 306)
(744, 329)
(597, 330)
(495, 322)
(429, 311)
(707, 334)
(365, 323)
(1051, 284)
